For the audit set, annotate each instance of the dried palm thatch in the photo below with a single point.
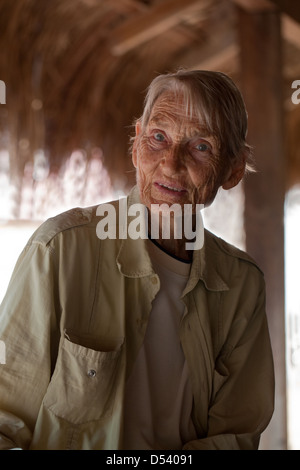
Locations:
(66, 87)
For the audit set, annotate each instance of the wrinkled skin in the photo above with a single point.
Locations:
(178, 162)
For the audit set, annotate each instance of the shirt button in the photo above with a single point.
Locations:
(91, 373)
(154, 280)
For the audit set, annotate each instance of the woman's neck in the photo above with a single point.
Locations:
(169, 233)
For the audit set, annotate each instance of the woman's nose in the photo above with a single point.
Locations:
(173, 160)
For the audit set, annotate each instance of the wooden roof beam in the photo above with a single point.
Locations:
(261, 83)
(291, 30)
(253, 6)
(157, 20)
(290, 7)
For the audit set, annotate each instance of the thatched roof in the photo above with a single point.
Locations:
(76, 70)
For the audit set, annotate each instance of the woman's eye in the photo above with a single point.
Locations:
(202, 147)
(159, 136)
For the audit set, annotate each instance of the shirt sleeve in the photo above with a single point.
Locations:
(28, 329)
(242, 400)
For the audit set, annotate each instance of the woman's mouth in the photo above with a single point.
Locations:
(168, 187)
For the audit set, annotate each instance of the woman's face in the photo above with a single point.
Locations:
(176, 160)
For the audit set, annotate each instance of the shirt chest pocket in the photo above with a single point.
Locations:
(84, 383)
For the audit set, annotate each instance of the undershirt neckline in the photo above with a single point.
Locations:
(168, 253)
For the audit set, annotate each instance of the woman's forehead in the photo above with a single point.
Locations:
(172, 104)
(171, 109)
(170, 100)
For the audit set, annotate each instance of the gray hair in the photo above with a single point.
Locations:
(216, 100)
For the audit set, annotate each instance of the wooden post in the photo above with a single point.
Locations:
(261, 82)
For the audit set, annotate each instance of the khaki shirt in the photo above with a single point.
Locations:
(74, 318)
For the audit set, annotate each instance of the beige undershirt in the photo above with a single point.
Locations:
(158, 398)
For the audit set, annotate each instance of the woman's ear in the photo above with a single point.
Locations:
(236, 174)
(134, 149)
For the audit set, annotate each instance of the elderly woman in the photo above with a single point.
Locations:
(132, 343)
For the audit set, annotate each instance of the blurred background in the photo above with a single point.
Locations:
(73, 76)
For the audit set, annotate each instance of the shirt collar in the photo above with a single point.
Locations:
(133, 259)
